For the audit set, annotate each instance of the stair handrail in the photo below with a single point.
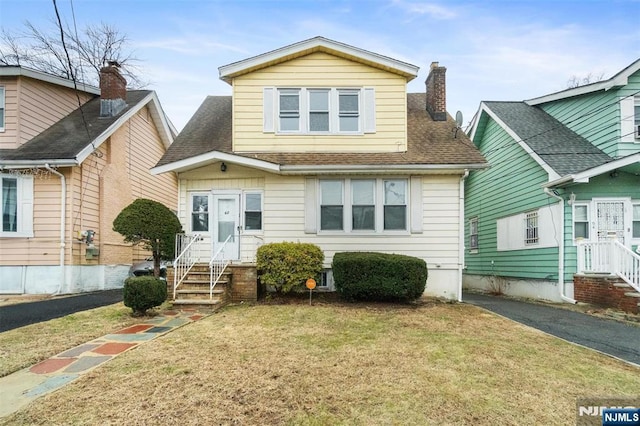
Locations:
(185, 260)
(217, 265)
(626, 264)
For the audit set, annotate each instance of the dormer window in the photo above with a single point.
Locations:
(309, 111)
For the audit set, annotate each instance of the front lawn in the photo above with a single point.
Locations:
(360, 364)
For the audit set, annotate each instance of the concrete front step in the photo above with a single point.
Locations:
(195, 302)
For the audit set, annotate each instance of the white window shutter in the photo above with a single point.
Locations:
(25, 224)
(627, 131)
(310, 206)
(268, 109)
(416, 204)
(369, 110)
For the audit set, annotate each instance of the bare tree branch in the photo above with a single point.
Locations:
(576, 81)
(89, 50)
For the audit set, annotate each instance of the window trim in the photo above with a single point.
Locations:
(634, 203)
(347, 214)
(636, 118)
(244, 211)
(24, 206)
(473, 221)
(573, 221)
(208, 212)
(304, 113)
(533, 227)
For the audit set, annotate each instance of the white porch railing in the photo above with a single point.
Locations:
(188, 252)
(217, 265)
(610, 257)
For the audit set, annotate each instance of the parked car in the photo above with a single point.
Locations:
(146, 268)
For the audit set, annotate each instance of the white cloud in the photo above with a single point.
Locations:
(432, 10)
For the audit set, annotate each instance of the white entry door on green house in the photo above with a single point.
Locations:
(226, 224)
(613, 217)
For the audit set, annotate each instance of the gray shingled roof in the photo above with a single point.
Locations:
(69, 136)
(563, 150)
(429, 142)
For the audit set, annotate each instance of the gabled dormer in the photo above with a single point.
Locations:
(319, 95)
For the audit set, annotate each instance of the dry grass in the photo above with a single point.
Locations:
(340, 364)
(25, 346)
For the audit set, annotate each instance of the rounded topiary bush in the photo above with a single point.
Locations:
(143, 293)
(286, 266)
(379, 276)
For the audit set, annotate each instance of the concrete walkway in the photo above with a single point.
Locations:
(24, 386)
(618, 339)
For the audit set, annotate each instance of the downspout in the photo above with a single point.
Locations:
(461, 234)
(63, 209)
(560, 248)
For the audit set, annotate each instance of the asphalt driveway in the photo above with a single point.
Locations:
(19, 315)
(619, 339)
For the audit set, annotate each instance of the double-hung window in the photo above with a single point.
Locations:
(253, 211)
(331, 205)
(200, 213)
(395, 204)
(2, 108)
(363, 205)
(289, 108)
(636, 221)
(16, 206)
(349, 110)
(319, 110)
(580, 221)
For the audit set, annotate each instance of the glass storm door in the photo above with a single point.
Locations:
(226, 225)
(611, 220)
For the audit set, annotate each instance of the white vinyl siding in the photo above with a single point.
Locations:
(319, 110)
(16, 205)
(530, 230)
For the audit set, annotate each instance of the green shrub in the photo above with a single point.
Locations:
(142, 293)
(287, 266)
(379, 276)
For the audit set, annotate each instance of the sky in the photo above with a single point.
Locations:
(508, 50)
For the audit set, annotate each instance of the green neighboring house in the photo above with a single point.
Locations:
(562, 194)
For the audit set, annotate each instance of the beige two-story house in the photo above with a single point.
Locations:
(321, 143)
(71, 158)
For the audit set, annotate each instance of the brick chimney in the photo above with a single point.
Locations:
(113, 90)
(437, 92)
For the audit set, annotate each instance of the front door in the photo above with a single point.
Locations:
(612, 218)
(226, 224)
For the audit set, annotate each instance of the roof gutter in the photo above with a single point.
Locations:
(383, 168)
(21, 164)
(560, 248)
(63, 209)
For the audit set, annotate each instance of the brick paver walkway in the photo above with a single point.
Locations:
(24, 386)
